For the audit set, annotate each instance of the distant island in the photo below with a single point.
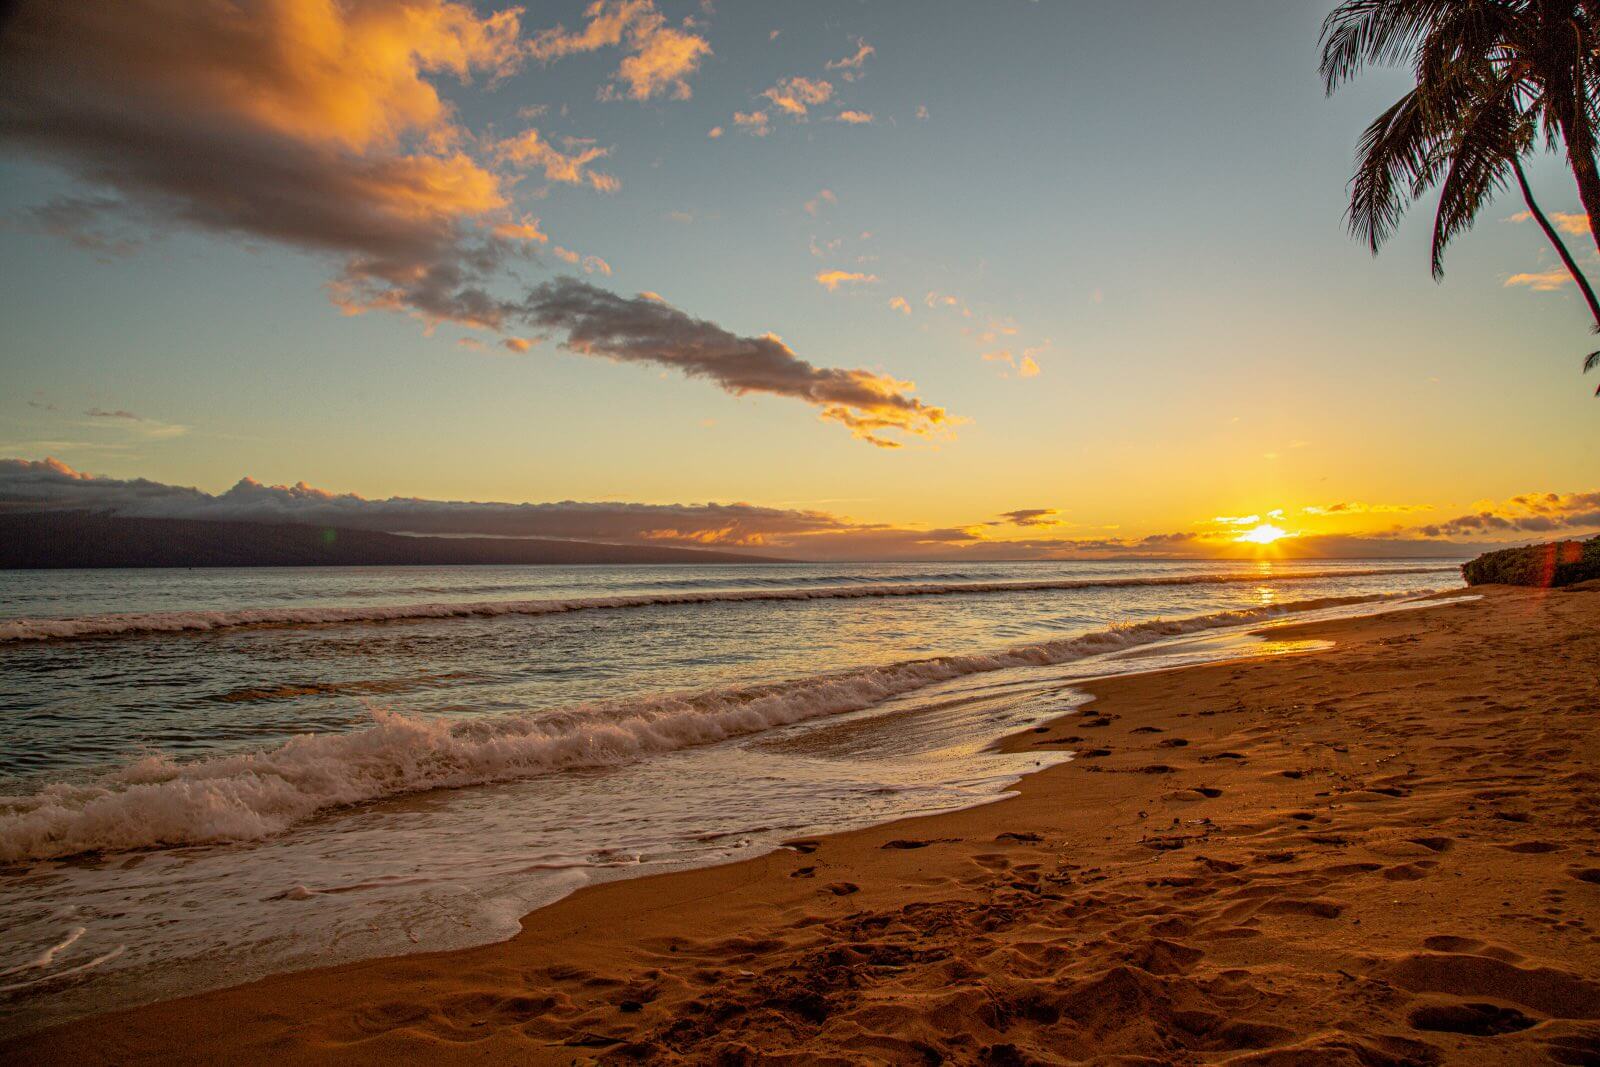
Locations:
(66, 539)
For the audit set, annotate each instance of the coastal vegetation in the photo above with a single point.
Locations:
(1553, 564)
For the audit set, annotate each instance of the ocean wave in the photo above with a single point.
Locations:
(158, 802)
(124, 624)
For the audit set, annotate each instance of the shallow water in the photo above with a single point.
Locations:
(261, 797)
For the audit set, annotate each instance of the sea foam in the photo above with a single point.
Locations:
(159, 802)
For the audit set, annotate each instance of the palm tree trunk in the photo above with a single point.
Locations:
(1560, 245)
(1578, 134)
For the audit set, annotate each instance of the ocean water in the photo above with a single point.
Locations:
(211, 775)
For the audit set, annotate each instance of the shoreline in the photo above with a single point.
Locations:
(907, 938)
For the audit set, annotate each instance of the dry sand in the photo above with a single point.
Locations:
(1383, 853)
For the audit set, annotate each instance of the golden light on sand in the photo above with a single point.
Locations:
(1265, 534)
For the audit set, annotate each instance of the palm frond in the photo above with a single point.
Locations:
(1394, 158)
(1362, 33)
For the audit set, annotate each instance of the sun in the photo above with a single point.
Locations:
(1265, 534)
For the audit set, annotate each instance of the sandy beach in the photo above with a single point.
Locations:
(1385, 852)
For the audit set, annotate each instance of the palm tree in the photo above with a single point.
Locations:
(1491, 76)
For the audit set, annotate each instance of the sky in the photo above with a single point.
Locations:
(900, 279)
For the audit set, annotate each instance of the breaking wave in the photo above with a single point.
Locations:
(158, 802)
(127, 624)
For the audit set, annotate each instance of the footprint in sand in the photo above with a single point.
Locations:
(1477, 1019)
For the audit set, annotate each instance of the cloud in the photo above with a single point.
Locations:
(524, 229)
(313, 125)
(660, 57)
(854, 118)
(714, 132)
(1026, 367)
(81, 221)
(518, 345)
(900, 304)
(136, 425)
(1031, 517)
(832, 279)
(754, 123)
(1566, 222)
(643, 330)
(1355, 507)
(922, 111)
(1545, 281)
(589, 264)
(850, 66)
(815, 204)
(796, 96)
(51, 484)
(531, 150)
(1527, 513)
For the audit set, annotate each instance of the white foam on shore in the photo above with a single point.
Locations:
(158, 802)
(132, 623)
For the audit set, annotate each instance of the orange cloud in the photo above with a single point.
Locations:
(900, 304)
(850, 66)
(795, 96)
(530, 149)
(1565, 221)
(1546, 281)
(308, 122)
(832, 279)
(590, 264)
(854, 118)
(752, 122)
(660, 58)
(524, 229)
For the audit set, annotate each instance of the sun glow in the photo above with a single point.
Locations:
(1265, 534)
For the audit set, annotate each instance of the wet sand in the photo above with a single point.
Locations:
(1387, 852)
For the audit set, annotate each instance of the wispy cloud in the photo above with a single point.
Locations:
(754, 123)
(1545, 281)
(900, 304)
(854, 118)
(1565, 221)
(660, 57)
(850, 67)
(645, 330)
(796, 96)
(1031, 517)
(530, 149)
(832, 279)
(816, 203)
